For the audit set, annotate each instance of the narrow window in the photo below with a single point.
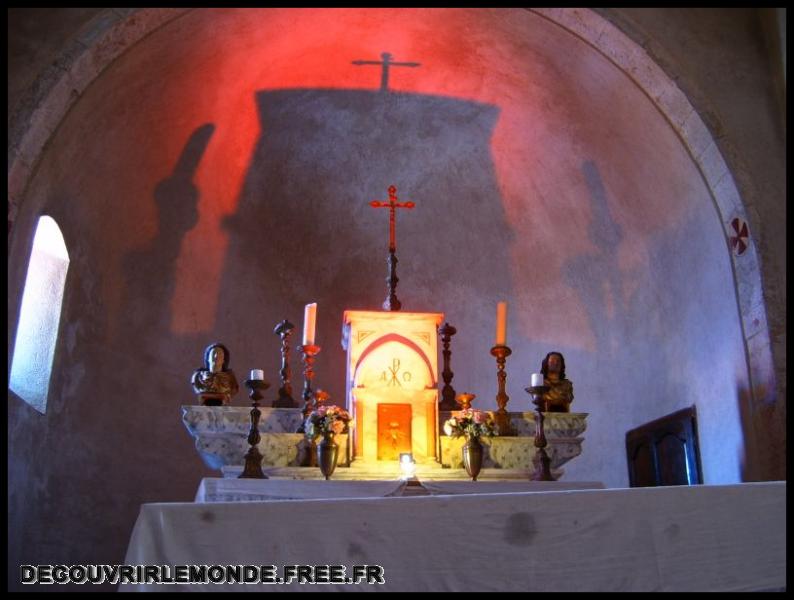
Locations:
(37, 332)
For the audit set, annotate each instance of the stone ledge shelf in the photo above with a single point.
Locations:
(556, 425)
(237, 419)
(221, 434)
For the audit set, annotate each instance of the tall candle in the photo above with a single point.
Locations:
(258, 374)
(309, 323)
(501, 323)
(537, 379)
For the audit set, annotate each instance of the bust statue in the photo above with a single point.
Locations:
(560, 394)
(215, 383)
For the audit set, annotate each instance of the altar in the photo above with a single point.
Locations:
(438, 530)
(391, 408)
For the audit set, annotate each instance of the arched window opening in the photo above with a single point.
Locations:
(39, 316)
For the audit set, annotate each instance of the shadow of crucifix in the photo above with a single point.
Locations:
(386, 62)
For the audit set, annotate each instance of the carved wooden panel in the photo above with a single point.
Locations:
(665, 451)
(641, 462)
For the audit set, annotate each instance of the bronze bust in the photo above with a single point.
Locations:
(215, 384)
(560, 394)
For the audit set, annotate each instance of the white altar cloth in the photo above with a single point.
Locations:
(687, 538)
(219, 489)
(442, 487)
(225, 489)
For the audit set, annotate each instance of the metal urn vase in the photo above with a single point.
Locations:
(472, 457)
(327, 454)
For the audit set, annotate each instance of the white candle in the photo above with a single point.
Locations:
(501, 323)
(309, 323)
(257, 374)
(537, 379)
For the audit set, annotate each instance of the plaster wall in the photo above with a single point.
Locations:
(730, 63)
(216, 177)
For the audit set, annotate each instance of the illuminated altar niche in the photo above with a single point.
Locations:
(392, 368)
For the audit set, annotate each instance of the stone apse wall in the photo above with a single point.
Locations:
(216, 176)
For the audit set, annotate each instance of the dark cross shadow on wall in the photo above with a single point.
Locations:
(385, 65)
(304, 230)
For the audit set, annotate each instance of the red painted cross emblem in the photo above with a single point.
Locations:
(740, 236)
(392, 204)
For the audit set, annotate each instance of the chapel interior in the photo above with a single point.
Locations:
(615, 176)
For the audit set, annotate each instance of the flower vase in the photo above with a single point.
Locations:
(327, 453)
(472, 457)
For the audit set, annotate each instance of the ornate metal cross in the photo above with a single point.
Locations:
(392, 303)
(386, 62)
(392, 205)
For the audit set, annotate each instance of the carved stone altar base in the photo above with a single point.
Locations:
(221, 434)
(563, 434)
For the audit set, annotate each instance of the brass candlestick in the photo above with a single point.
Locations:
(391, 302)
(285, 399)
(448, 392)
(543, 469)
(501, 418)
(253, 458)
(464, 400)
(309, 351)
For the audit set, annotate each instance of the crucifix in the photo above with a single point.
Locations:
(386, 62)
(392, 303)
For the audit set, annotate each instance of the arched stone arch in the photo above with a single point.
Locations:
(114, 31)
(106, 37)
(400, 339)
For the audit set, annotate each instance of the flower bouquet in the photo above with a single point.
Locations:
(471, 423)
(326, 421)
